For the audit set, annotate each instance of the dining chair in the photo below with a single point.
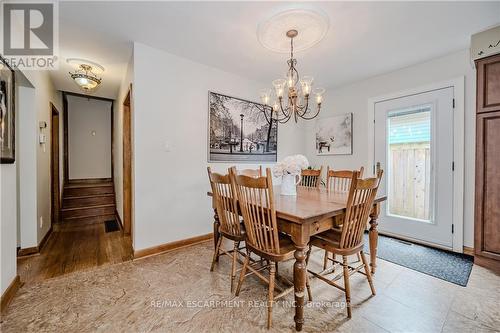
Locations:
(340, 180)
(349, 240)
(310, 177)
(256, 201)
(249, 172)
(230, 225)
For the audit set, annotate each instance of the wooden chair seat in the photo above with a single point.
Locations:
(236, 238)
(330, 241)
(285, 250)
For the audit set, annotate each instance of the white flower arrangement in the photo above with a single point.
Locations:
(291, 165)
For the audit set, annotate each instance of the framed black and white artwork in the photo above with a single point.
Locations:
(7, 111)
(334, 135)
(240, 131)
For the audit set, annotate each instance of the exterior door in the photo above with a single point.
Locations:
(414, 146)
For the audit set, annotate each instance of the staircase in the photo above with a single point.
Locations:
(88, 202)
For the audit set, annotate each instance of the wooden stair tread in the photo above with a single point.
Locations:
(88, 185)
(87, 207)
(73, 218)
(88, 202)
(85, 196)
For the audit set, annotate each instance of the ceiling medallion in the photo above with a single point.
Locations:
(313, 26)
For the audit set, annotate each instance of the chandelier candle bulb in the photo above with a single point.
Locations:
(265, 97)
(319, 95)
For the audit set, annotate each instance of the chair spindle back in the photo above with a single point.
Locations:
(225, 202)
(256, 199)
(311, 178)
(255, 173)
(340, 180)
(359, 205)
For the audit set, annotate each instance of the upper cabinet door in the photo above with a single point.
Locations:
(488, 84)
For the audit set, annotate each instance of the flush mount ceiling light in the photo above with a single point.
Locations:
(312, 25)
(86, 74)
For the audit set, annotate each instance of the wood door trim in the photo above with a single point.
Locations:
(55, 186)
(127, 163)
(65, 139)
(87, 96)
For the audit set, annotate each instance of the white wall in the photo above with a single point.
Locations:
(8, 221)
(29, 178)
(118, 136)
(44, 95)
(8, 216)
(171, 105)
(89, 156)
(27, 133)
(354, 98)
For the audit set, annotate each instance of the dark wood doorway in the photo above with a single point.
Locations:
(54, 165)
(127, 165)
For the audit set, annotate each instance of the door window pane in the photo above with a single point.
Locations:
(409, 163)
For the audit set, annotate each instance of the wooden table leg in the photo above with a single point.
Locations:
(216, 230)
(373, 236)
(299, 282)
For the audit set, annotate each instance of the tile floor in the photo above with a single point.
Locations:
(176, 292)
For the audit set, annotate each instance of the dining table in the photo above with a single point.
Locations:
(310, 212)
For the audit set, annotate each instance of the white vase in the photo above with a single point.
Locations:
(289, 184)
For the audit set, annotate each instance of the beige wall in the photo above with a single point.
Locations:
(89, 138)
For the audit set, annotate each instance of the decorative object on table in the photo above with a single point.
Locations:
(289, 170)
(240, 131)
(334, 135)
(297, 97)
(86, 73)
(7, 113)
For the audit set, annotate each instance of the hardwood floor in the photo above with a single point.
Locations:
(74, 247)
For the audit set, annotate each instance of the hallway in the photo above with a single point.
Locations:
(75, 247)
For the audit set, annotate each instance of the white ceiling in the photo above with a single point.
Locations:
(364, 38)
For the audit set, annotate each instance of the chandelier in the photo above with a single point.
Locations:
(85, 78)
(293, 95)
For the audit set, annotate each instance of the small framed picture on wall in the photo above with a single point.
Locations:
(334, 135)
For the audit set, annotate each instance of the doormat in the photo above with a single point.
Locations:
(111, 225)
(449, 266)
